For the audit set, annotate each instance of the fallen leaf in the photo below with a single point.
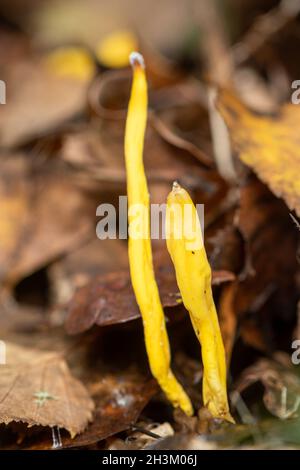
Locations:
(117, 383)
(32, 108)
(227, 249)
(47, 215)
(14, 209)
(119, 403)
(267, 288)
(173, 138)
(71, 62)
(109, 299)
(282, 386)
(37, 388)
(269, 145)
(77, 268)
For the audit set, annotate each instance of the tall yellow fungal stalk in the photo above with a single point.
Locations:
(139, 245)
(193, 274)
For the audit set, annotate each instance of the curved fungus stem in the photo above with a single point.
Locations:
(139, 244)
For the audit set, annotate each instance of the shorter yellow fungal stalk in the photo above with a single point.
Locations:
(139, 244)
(193, 274)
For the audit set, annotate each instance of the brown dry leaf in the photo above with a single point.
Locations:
(109, 299)
(269, 145)
(47, 215)
(119, 400)
(77, 268)
(37, 388)
(183, 125)
(282, 385)
(37, 102)
(228, 318)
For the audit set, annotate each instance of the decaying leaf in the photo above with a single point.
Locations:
(282, 385)
(46, 215)
(119, 402)
(77, 268)
(173, 138)
(71, 62)
(109, 299)
(182, 442)
(37, 388)
(115, 381)
(269, 145)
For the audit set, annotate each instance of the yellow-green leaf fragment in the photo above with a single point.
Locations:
(139, 244)
(71, 62)
(193, 274)
(113, 50)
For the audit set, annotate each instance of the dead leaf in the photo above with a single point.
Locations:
(119, 403)
(227, 250)
(113, 377)
(109, 299)
(228, 318)
(270, 264)
(282, 386)
(46, 216)
(13, 207)
(114, 49)
(170, 136)
(37, 388)
(77, 268)
(269, 145)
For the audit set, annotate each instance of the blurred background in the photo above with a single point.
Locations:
(65, 66)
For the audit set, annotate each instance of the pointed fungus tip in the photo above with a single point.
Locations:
(176, 186)
(136, 60)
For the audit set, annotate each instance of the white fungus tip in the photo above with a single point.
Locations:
(176, 186)
(136, 59)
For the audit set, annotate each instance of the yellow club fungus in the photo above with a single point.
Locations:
(193, 274)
